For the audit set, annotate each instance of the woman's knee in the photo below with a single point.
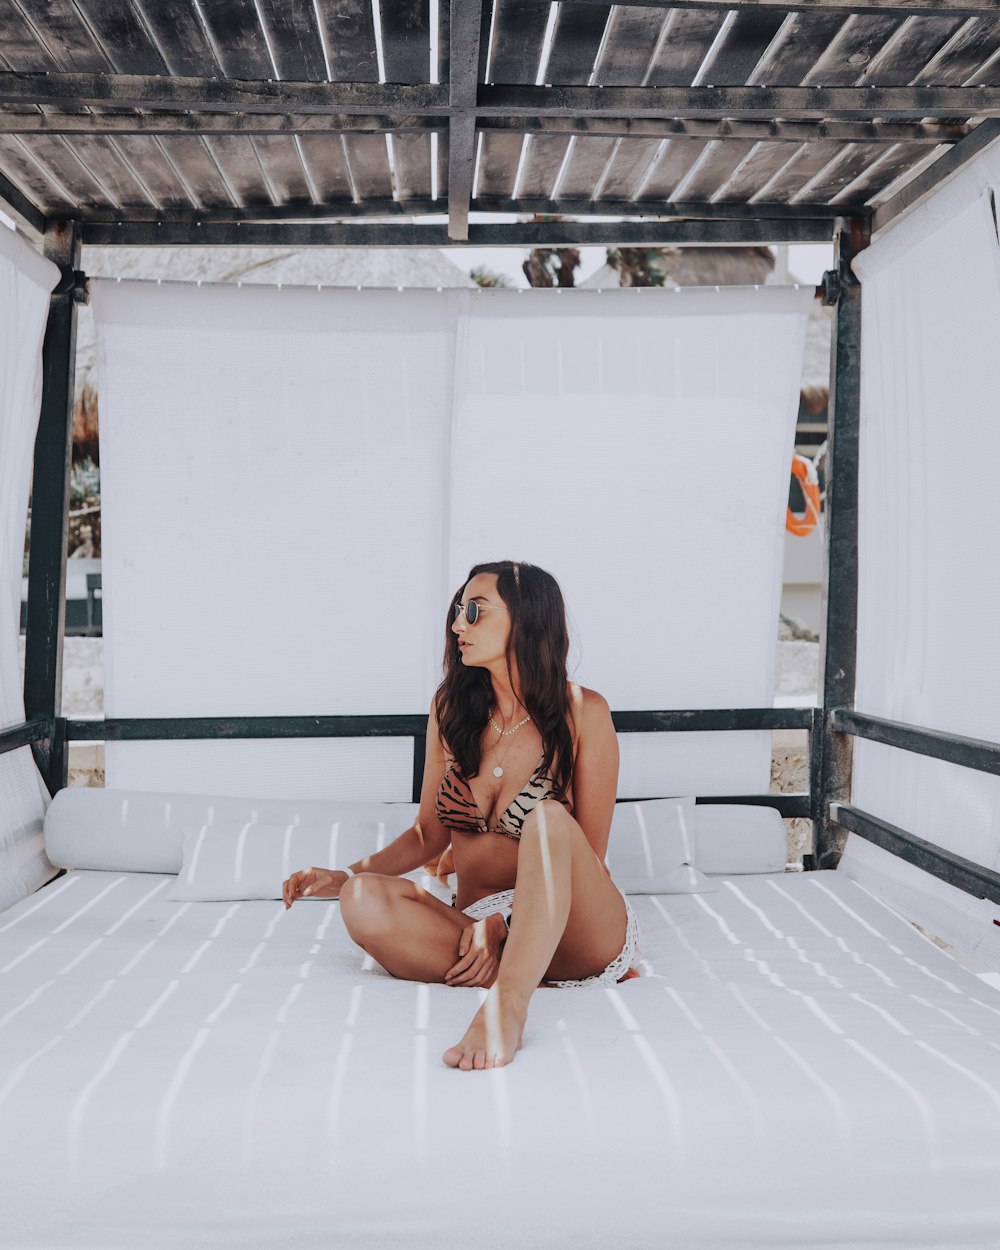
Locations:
(548, 821)
(368, 903)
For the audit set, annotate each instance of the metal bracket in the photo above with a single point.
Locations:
(76, 283)
(829, 290)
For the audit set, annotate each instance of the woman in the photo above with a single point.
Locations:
(505, 712)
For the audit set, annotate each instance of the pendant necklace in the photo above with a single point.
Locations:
(504, 733)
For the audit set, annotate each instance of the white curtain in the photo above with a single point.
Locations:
(587, 436)
(929, 597)
(26, 280)
(295, 480)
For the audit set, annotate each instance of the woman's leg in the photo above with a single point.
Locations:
(569, 922)
(411, 933)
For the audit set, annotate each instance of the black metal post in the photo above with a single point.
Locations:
(838, 650)
(50, 510)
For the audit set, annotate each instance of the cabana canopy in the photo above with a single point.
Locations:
(345, 122)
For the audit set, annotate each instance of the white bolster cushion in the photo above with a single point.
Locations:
(143, 831)
(251, 860)
(735, 838)
(651, 849)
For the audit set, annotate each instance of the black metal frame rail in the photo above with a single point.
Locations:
(975, 753)
(139, 729)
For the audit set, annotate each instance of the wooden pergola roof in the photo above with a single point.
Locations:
(293, 121)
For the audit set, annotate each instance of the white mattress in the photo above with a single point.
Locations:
(796, 1067)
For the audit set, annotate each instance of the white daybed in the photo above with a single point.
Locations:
(796, 1066)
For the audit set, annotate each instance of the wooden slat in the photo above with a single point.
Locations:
(687, 43)
(59, 24)
(585, 166)
(672, 166)
(576, 42)
(802, 165)
(412, 155)
(197, 165)
(885, 172)
(628, 167)
(105, 164)
(238, 164)
(498, 164)
(279, 159)
(324, 158)
(632, 38)
(56, 155)
(349, 33)
(369, 162)
(181, 39)
(971, 47)
(804, 40)
(406, 42)
(855, 158)
(444, 40)
(541, 165)
(295, 40)
(917, 42)
(18, 165)
(519, 30)
(238, 38)
(123, 37)
(718, 162)
(19, 45)
(844, 61)
(744, 44)
(762, 163)
(149, 160)
(443, 149)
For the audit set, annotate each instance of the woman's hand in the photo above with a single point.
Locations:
(479, 950)
(313, 883)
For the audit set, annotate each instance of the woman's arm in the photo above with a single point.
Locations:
(422, 841)
(595, 773)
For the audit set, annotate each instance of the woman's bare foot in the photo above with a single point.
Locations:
(494, 1036)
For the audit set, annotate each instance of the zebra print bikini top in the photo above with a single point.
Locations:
(458, 811)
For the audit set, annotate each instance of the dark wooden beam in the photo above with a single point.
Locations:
(666, 209)
(893, 8)
(463, 61)
(16, 205)
(773, 130)
(925, 184)
(977, 753)
(502, 234)
(341, 210)
(229, 95)
(221, 95)
(790, 103)
(250, 124)
(838, 646)
(50, 509)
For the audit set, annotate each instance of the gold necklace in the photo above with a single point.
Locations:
(498, 770)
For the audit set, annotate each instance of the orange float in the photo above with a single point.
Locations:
(802, 523)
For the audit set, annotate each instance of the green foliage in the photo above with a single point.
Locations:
(483, 276)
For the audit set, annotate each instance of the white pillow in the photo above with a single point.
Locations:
(651, 848)
(251, 860)
(734, 838)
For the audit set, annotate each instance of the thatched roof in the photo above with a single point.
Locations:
(421, 268)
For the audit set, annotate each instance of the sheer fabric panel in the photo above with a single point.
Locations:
(26, 280)
(295, 443)
(929, 598)
(587, 429)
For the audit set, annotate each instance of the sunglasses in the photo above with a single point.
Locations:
(471, 610)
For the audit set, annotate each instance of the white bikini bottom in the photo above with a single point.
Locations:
(616, 971)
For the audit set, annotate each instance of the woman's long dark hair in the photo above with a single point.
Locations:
(539, 643)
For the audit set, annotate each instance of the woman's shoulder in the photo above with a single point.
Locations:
(588, 707)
